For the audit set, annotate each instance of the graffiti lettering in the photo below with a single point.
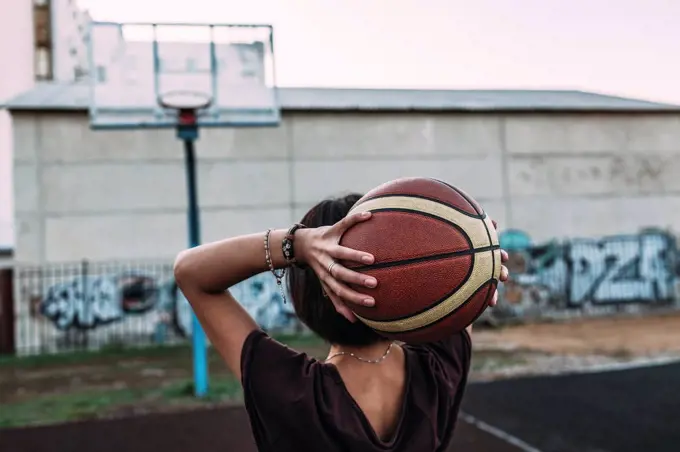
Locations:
(88, 302)
(621, 269)
(562, 277)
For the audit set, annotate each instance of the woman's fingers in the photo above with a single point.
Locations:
(347, 276)
(504, 273)
(349, 221)
(494, 300)
(343, 253)
(345, 293)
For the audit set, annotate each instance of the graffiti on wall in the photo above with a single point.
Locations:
(574, 277)
(89, 302)
(136, 304)
(588, 274)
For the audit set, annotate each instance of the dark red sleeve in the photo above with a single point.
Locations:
(275, 379)
(449, 358)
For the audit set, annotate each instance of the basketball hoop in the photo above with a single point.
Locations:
(185, 105)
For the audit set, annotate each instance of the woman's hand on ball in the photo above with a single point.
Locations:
(505, 274)
(320, 249)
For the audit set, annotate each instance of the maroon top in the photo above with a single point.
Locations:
(297, 403)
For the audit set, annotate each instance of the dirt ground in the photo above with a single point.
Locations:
(634, 337)
(45, 391)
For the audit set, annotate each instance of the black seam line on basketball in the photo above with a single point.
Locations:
(432, 257)
(429, 215)
(409, 195)
(482, 287)
(482, 214)
(435, 304)
(447, 295)
(465, 197)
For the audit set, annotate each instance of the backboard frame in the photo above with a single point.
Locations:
(269, 116)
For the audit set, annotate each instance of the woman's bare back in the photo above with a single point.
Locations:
(378, 390)
(407, 403)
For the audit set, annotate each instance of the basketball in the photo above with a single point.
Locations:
(437, 259)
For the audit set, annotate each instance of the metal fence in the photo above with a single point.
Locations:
(88, 306)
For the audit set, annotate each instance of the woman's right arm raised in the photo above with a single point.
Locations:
(205, 273)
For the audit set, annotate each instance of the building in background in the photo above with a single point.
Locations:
(102, 214)
(67, 51)
(554, 164)
(596, 173)
(40, 40)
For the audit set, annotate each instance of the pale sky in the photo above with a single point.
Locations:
(625, 47)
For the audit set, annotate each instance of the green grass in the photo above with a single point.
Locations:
(123, 365)
(53, 403)
(117, 352)
(91, 404)
(79, 357)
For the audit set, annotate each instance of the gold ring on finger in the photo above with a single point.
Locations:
(330, 267)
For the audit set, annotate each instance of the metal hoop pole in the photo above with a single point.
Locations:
(188, 133)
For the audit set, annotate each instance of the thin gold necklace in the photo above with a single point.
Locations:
(370, 361)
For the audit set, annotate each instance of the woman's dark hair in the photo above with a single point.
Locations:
(313, 309)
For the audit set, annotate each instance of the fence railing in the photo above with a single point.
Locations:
(93, 305)
(88, 305)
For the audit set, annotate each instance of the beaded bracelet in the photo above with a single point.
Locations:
(287, 245)
(270, 264)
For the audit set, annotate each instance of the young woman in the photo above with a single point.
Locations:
(369, 394)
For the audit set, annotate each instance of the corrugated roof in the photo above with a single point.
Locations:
(75, 96)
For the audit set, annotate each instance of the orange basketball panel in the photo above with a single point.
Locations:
(408, 288)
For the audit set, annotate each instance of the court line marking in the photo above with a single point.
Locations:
(498, 433)
(629, 365)
(635, 364)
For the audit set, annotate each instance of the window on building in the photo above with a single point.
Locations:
(101, 74)
(42, 34)
(43, 64)
(41, 28)
(79, 73)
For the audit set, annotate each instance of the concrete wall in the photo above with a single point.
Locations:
(16, 60)
(121, 195)
(69, 30)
